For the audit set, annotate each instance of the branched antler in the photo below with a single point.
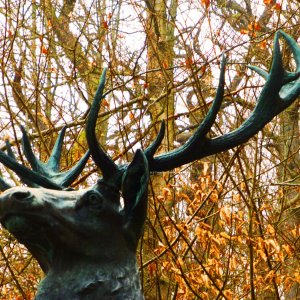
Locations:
(281, 90)
(47, 174)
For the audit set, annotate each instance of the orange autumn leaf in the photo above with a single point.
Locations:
(92, 64)
(272, 246)
(105, 103)
(228, 294)
(297, 277)
(233, 263)
(10, 33)
(244, 31)
(105, 24)
(204, 226)
(204, 296)
(166, 192)
(225, 235)
(288, 249)
(205, 3)
(152, 269)
(271, 230)
(44, 50)
(268, 2)
(180, 261)
(131, 116)
(262, 255)
(254, 26)
(270, 276)
(214, 197)
(188, 61)
(202, 70)
(165, 63)
(77, 154)
(53, 70)
(263, 45)
(225, 214)
(277, 6)
(49, 23)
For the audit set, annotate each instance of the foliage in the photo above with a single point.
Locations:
(223, 242)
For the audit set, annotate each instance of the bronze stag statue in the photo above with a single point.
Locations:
(85, 241)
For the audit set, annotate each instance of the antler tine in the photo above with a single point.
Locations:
(150, 151)
(54, 159)
(11, 154)
(291, 91)
(293, 46)
(24, 172)
(68, 177)
(36, 165)
(280, 91)
(288, 77)
(284, 85)
(9, 149)
(50, 169)
(182, 155)
(4, 185)
(103, 161)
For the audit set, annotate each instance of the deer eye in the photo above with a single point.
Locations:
(94, 198)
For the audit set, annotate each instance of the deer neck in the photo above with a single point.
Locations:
(92, 281)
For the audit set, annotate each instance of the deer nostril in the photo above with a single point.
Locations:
(21, 195)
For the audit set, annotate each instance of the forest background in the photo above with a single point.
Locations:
(226, 227)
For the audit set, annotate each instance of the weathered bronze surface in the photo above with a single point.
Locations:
(85, 241)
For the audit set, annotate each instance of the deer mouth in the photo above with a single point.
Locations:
(32, 235)
(15, 223)
(22, 219)
(20, 225)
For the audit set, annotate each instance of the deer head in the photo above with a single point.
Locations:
(61, 226)
(54, 222)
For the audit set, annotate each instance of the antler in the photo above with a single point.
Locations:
(281, 90)
(110, 171)
(103, 161)
(42, 174)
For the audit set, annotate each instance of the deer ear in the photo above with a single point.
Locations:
(134, 191)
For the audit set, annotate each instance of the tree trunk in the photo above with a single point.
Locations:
(289, 172)
(160, 52)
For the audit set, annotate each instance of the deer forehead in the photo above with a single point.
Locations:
(39, 196)
(57, 199)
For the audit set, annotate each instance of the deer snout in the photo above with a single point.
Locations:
(15, 197)
(20, 195)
